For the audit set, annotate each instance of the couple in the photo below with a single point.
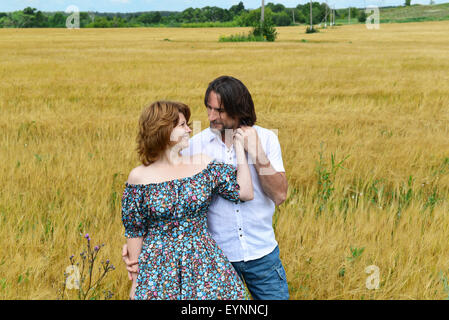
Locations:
(197, 217)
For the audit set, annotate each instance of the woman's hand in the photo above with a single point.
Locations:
(243, 172)
(132, 293)
(238, 139)
(131, 266)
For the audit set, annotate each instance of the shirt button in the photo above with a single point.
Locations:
(237, 210)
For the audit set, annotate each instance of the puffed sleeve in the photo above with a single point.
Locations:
(224, 181)
(133, 216)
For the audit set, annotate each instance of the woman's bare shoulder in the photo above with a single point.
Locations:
(136, 174)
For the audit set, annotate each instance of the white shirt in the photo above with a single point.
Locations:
(243, 231)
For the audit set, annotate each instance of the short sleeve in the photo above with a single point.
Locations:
(133, 216)
(224, 181)
(274, 153)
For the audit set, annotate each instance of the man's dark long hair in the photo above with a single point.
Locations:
(235, 98)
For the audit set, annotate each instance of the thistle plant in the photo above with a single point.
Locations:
(80, 274)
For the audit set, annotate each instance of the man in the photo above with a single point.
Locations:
(244, 230)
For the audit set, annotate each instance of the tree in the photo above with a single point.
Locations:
(299, 16)
(282, 19)
(362, 16)
(252, 17)
(276, 8)
(117, 22)
(408, 2)
(40, 20)
(235, 10)
(23, 20)
(318, 11)
(150, 18)
(100, 22)
(198, 15)
(57, 20)
(7, 22)
(29, 10)
(156, 17)
(188, 14)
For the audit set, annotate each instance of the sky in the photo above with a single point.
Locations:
(177, 5)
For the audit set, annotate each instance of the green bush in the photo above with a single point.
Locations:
(265, 30)
(311, 30)
(261, 32)
(362, 16)
(241, 38)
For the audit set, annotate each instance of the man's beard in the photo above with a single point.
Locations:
(225, 132)
(221, 127)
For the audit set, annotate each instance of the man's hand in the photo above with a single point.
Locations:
(251, 140)
(274, 184)
(131, 266)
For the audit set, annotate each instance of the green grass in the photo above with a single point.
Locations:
(241, 38)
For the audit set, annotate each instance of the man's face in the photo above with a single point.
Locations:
(218, 118)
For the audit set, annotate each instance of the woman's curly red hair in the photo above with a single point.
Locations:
(156, 123)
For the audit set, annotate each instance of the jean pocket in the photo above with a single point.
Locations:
(281, 272)
(283, 293)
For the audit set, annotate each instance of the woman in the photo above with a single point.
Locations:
(164, 208)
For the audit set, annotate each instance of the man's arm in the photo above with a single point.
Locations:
(273, 183)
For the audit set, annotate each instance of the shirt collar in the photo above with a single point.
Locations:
(210, 135)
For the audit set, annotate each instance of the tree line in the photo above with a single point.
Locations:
(237, 15)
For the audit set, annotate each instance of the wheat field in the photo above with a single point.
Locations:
(362, 117)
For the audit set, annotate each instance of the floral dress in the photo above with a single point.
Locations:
(179, 258)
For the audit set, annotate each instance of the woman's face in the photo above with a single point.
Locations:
(181, 133)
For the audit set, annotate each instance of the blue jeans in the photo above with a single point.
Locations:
(265, 277)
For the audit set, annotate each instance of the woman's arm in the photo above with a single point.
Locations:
(134, 248)
(243, 174)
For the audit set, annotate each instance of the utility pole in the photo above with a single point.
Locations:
(293, 11)
(311, 23)
(331, 22)
(333, 17)
(349, 16)
(325, 16)
(330, 16)
(262, 15)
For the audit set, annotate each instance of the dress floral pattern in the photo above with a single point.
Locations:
(179, 258)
